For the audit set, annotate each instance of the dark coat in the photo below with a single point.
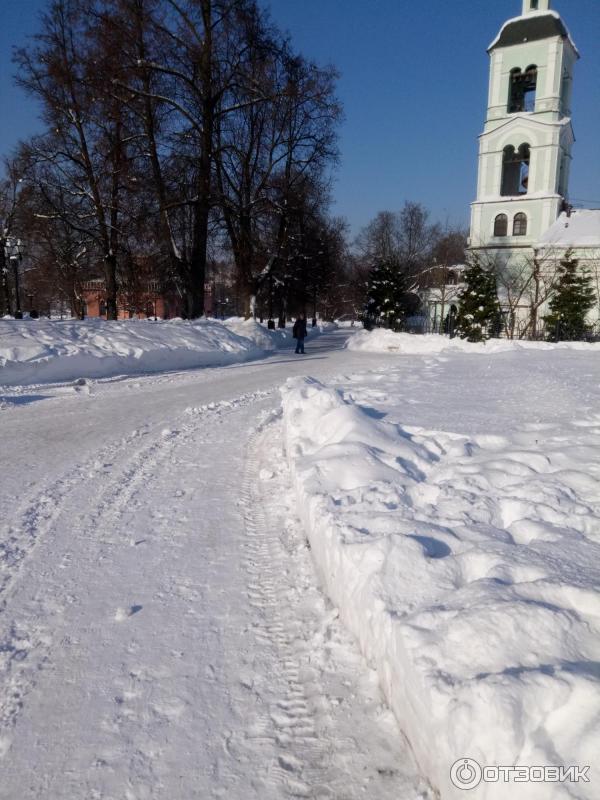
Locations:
(299, 330)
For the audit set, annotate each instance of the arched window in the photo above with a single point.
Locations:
(515, 170)
(501, 225)
(520, 224)
(522, 90)
(515, 100)
(530, 88)
(534, 5)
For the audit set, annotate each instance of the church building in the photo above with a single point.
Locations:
(522, 211)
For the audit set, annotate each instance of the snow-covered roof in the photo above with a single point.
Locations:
(581, 229)
(532, 26)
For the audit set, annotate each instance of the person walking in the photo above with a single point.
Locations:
(299, 333)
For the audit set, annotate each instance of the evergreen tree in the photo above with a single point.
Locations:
(386, 296)
(569, 307)
(479, 317)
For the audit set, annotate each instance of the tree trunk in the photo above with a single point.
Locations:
(205, 165)
(197, 271)
(110, 268)
(4, 292)
(533, 319)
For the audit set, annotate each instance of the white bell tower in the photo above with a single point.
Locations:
(525, 147)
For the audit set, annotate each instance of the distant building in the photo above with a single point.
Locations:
(151, 300)
(440, 287)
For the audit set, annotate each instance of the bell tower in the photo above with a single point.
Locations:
(529, 6)
(525, 147)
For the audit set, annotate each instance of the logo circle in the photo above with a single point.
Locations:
(466, 773)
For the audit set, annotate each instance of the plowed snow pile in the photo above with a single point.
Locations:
(48, 351)
(455, 521)
(381, 340)
(278, 339)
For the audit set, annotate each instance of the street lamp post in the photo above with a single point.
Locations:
(16, 259)
(4, 292)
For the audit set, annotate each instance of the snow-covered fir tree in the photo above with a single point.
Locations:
(386, 296)
(569, 307)
(479, 316)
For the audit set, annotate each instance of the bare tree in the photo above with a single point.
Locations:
(193, 64)
(167, 123)
(526, 283)
(545, 274)
(80, 165)
(272, 155)
(441, 277)
(11, 204)
(59, 260)
(380, 239)
(405, 237)
(417, 237)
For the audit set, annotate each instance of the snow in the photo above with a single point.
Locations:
(278, 339)
(53, 351)
(541, 13)
(163, 632)
(382, 340)
(580, 229)
(259, 334)
(453, 511)
(48, 351)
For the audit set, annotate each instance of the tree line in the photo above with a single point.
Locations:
(176, 132)
(184, 139)
(409, 263)
(544, 296)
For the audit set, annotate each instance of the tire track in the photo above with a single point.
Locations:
(301, 768)
(325, 710)
(25, 645)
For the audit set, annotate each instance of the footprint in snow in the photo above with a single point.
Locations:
(122, 614)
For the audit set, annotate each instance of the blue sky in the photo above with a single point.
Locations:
(414, 88)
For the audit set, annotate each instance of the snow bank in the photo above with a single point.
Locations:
(280, 338)
(43, 351)
(385, 341)
(259, 334)
(323, 326)
(467, 568)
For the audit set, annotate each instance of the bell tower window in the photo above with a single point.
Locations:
(522, 90)
(515, 170)
(534, 5)
(501, 225)
(520, 224)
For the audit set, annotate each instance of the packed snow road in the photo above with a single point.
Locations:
(162, 633)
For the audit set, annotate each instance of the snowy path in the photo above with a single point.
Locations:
(161, 631)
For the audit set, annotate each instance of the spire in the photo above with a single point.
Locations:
(531, 6)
